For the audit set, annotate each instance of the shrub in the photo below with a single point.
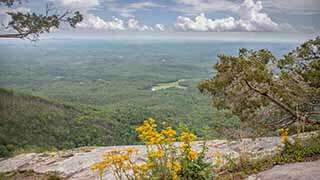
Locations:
(4, 151)
(165, 160)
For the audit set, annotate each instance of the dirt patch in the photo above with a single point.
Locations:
(162, 86)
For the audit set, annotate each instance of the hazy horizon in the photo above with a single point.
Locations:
(183, 36)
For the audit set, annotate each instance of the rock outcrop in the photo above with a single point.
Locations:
(294, 171)
(75, 164)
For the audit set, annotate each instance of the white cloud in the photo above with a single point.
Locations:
(146, 28)
(82, 4)
(92, 22)
(122, 11)
(202, 23)
(159, 27)
(134, 24)
(129, 9)
(250, 19)
(144, 5)
(197, 6)
(303, 7)
(96, 23)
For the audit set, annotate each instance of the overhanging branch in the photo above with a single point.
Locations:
(12, 35)
(277, 102)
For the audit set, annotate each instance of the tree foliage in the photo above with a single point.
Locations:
(31, 25)
(256, 86)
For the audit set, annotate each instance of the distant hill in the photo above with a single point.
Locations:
(29, 122)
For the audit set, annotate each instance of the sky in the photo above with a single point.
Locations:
(172, 16)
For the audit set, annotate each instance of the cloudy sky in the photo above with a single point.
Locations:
(188, 15)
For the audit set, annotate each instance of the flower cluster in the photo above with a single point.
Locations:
(156, 154)
(160, 149)
(186, 138)
(164, 159)
(118, 160)
(148, 133)
(283, 135)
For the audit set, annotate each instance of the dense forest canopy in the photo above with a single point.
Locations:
(254, 86)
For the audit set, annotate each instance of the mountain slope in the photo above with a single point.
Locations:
(29, 122)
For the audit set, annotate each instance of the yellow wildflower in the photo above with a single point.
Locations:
(150, 165)
(126, 166)
(176, 167)
(141, 168)
(184, 147)
(217, 154)
(131, 150)
(156, 154)
(163, 157)
(283, 135)
(149, 134)
(169, 132)
(192, 155)
(154, 138)
(99, 166)
(187, 137)
(174, 176)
